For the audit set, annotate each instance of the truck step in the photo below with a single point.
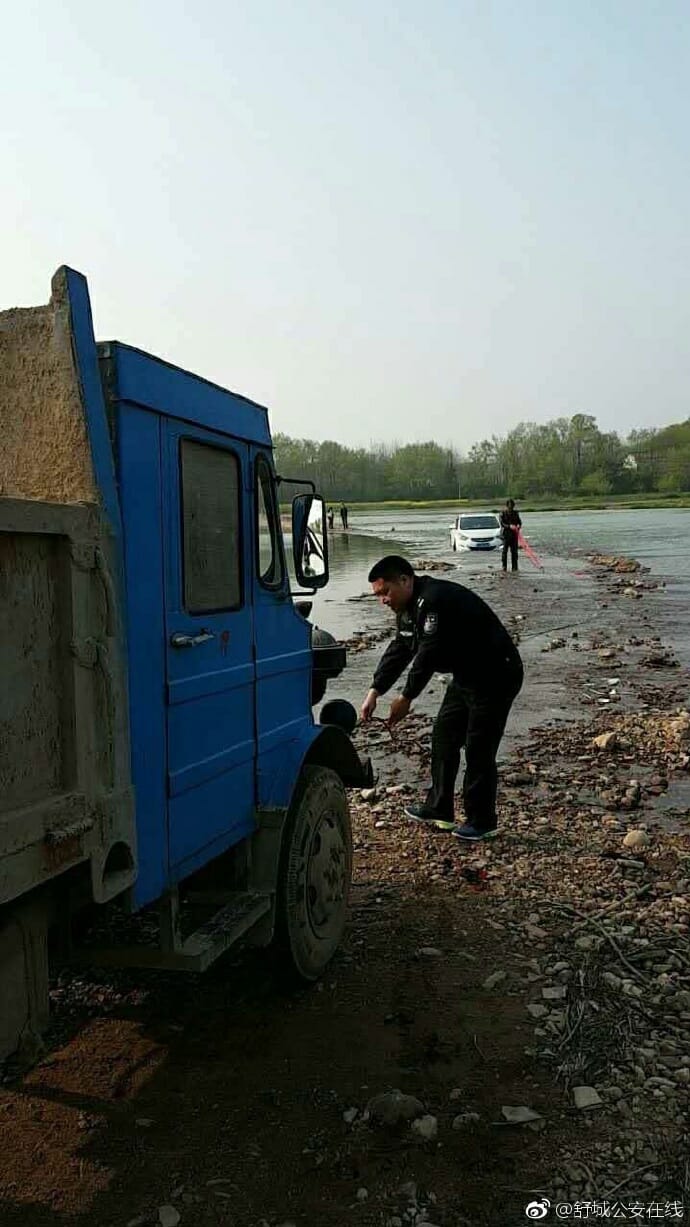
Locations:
(227, 926)
(202, 947)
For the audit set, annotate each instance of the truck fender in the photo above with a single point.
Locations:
(333, 748)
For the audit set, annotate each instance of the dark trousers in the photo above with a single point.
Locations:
(510, 543)
(475, 721)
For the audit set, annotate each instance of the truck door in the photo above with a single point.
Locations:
(210, 667)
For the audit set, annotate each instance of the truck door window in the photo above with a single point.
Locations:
(211, 528)
(269, 555)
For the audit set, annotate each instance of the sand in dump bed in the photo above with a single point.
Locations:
(45, 449)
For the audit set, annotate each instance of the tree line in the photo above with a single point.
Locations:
(566, 456)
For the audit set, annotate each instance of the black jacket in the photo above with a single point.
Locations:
(447, 628)
(508, 518)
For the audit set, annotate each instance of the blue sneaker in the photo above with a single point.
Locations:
(429, 817)
(470, 833)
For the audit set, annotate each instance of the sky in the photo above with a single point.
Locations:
(389, 222)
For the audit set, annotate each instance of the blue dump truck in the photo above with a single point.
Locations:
(158, 751)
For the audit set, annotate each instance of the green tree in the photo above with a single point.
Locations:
(562, 456)
(596, 482)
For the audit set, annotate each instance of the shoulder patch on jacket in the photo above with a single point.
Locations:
(430, 624)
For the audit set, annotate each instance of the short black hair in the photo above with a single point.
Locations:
(390, 567)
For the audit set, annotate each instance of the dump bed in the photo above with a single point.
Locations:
(65, 795)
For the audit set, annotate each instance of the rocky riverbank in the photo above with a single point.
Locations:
(505, 1025)
(588, 889)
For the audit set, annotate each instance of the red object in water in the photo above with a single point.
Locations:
(528, 549)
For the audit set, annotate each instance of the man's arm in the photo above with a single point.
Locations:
(396, 656)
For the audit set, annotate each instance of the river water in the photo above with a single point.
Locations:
(564, 598)
(660, 539)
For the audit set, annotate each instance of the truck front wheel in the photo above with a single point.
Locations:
(315, 873)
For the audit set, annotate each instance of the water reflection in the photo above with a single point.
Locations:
(351, 557)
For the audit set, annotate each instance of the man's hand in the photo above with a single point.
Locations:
(369, 706)
(399, 709)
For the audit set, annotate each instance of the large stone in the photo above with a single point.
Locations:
(554, 992)
(537, 1010)
(587, 942)
(586, 1098)
(605, 741)
(519, 1115)
(495, 978)
(392, 1108)
(426, 1128)
(636, 839)
(168, 1216)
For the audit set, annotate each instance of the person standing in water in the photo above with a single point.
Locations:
(343, 515)
(510, 526)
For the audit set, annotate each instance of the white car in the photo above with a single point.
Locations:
(476, 531)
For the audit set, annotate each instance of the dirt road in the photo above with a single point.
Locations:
(503, 976)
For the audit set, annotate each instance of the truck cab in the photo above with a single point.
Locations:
(159, 750)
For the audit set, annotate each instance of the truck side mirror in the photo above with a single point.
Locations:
(309, 541)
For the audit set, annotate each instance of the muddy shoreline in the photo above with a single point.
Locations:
(474, 980)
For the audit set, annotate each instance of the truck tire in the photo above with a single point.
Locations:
(315, 874)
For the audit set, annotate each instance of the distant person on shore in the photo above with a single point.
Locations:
(510, 525)
(331, 515)
(343, 515)
(446, 628)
